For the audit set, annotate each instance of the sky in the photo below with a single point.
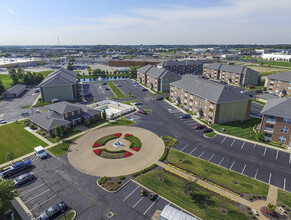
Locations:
(131, 22)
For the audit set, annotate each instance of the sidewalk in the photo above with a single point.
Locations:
(227, 135)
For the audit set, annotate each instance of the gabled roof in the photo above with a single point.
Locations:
(286, 76)
(63, 107)
(157, 73)
(210, 90)
(144, 69)
(231, 68)
(182, 62)
(87, 111)
(15, 89)
(279, 107)
(59, 77)
(214, 66)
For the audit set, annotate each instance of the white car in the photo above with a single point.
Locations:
(40, 152)
(2, 121)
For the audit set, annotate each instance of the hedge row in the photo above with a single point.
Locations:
(165, 154)
(134, 141)
(102, 180)
(104, 139)
(144, 170)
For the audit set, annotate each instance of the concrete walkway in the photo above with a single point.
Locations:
(272, 194)
(227, 135)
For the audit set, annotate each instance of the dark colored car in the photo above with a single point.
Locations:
(25, 114)
(141, 111)
(104, 84)
(37, 90)
(53, 211)
(159, 98)
(153, 196)
(138, 103)
(144, 89)
(258, 91)
(118, 85)
(185, 116)
(15, 168)
(200, 126)
(207, 130)
(107, 89)
(144, 192)
(22, 179)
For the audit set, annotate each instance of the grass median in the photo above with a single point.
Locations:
(116, 91)
(220, 175)
(172, 188)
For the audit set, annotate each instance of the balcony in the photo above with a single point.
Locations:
(269, 130)
(271, 120)
(210, 114)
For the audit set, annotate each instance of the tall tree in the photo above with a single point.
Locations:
(14, 76)
(2, 89)
(104, 115)
(71, 63)
(7, 193)
(58, 131)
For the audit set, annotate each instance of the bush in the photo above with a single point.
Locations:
(250, 212)
(118, 181)
(122, 177)
(250, 198)
(253, 216)
(102, 180)
(254, 196)
(135, 174)
(165, 154)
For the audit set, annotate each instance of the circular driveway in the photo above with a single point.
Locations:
(82, 157)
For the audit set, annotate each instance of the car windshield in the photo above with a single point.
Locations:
(41, 151)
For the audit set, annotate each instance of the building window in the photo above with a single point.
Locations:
(205, 107)
(282, 139)
(73, 113)
(287, 120)
(284, 130)
(200, 102)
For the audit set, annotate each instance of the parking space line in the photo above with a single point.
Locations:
(31, 189)
(289, 158)
(210, 157)
(193, 150)
(277, 154)
(233, 142)
(184, 147)
(220, 161)
(255, 177)
(130, 193)
(150, 206)
(284, 183)
(254, 145)
(265, 151)
(223, 140)
(137, 202)
(37, 195)
(242, 145)
(270, 178)
(244, 169)
(201, 154)
(42, 203)
(232, 165)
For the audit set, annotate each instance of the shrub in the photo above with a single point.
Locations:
(134, 141)
(250, 198)
(122, 177)
(250, 212)
(102, 180)
(253, 216)
(165, 154)
(118, 181)
(254, 196)
(135, 174)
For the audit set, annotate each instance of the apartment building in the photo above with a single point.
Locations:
(212, 101)
(239, 75)
(279, 83)
(276, 120)
(157, 79)
(182, 67)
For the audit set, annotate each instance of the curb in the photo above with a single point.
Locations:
(26, 210)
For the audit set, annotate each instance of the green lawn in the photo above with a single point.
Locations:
(45, 73)
(284, 197)
(61, 149)
(72, 133)
(6, 80)
(122, 121)
(13, 137)
(258, 102)
(218, 174)
(210, 135)
(116, 91)
(148, 111)
(172, 188)
(242, 129)
(69, 216)
(40, 104)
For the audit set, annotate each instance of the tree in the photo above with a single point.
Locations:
(7, 193)
(261, 136)
(70, 63)
(104, 116)
(10, 155)
(59, 131)
(2, 89)
(189, 187)
(13, 75)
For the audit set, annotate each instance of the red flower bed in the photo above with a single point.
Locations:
(127, 135)
(127, 154)
(97, 151)
(96, 145)
(136, 148)
(117, 135)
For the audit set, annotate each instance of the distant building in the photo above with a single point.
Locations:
(127, 63)
(182, 67)
(279, 83)
(15, 91)
(229, 56)
(276, 120)
(60, 84)
(157, 79)
(212, 101)
(240, 75)
(277, 57)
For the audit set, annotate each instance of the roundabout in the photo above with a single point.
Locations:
(114, 151)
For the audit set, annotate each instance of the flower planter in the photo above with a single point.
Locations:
(117, 135)
(136, 148)
(96, 145)
(97, 151)
(127, 135)
(127, 154)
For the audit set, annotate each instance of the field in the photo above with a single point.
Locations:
(264, 71)
(172, 188)
(15, 138)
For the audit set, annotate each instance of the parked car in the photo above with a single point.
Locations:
(185, 116)
(103, 84)
(159, 98)
(136, 85)
(3, 121)
(107, 88)
(153, 196)
(53, 211)
(258, 91)
(200, 126)
(137, 103)
(144, 192)
(37, 90)
(40, 152)
(15, 168)
(118, 85)
(207, 130)
(144, 89)
(142, 111)
(25, 114)
(22, 179)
